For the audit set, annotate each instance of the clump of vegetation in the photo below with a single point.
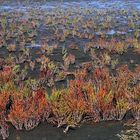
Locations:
(132, 133)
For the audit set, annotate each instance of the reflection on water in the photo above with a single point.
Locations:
(18, 137)
(100, 131)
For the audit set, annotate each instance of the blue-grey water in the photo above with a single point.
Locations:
(99, 4)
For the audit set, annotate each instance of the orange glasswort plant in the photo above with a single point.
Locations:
(29, 111)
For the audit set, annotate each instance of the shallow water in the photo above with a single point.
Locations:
(100, 131)
(99, 4)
